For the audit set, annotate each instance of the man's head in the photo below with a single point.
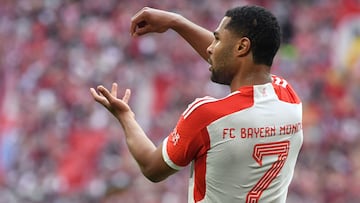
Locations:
(243, 32)
(260, 26)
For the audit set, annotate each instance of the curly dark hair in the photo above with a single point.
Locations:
(260, 26)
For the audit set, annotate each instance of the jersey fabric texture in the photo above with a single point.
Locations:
(243, 147)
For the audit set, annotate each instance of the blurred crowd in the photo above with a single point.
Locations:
(57, 145)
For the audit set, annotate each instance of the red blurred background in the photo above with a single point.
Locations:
(58, 145)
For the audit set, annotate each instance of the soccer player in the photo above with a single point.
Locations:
(243, 147)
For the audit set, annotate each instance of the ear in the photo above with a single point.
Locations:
(243, 46)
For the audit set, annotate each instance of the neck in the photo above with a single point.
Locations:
(254, 75)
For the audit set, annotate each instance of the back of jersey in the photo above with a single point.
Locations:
(253, 151)
(243, 148)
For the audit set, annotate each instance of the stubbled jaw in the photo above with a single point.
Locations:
(210, 63)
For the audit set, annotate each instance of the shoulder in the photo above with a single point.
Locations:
(208, 109)
(197, 104)
(284, 90)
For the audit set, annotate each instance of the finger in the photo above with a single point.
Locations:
(133, 26)
(105, 93)
(127, 95)
(136, 21)
(114, 90)
(100, 99)
(143, 30)
(140, 20)
(94, 93)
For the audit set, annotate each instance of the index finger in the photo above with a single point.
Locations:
(105, 93)
(100, 99)
(136, 20)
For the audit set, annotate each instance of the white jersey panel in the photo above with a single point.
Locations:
(234, 169)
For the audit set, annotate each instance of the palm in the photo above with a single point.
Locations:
(110, 101)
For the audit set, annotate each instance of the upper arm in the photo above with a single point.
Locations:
(158, 170)
(187, 142)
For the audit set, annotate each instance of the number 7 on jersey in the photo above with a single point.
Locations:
(260, 150)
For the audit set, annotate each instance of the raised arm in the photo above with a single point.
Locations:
(154, 20)
(146, 154)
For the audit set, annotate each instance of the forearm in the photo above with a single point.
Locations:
(139, 145)
(198, 37)
(148, 156)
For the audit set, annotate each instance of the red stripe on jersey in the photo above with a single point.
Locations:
(286, 94)
(198, 102)
(284, 90)
(194, 140)
(200, 170)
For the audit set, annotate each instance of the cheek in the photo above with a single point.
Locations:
(223, 55)
(218, 52)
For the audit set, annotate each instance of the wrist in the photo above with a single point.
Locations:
(176, 22)
(125, 117)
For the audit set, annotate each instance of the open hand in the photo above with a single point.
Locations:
(109, 100)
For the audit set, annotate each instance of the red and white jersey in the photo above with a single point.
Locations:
(243, 147)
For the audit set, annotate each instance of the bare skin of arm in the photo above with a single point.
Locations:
(149, 20)
(147, 155)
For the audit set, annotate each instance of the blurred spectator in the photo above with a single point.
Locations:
(57, 145)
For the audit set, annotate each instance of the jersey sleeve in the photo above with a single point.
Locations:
(188, 139)
(181, 146)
